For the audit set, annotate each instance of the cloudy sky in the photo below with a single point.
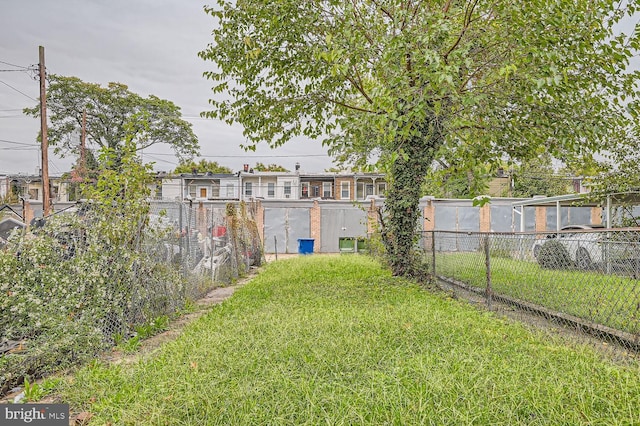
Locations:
(149, 45)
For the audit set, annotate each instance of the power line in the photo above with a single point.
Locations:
(15, 148)
(147, 155)
(248, 155)
(14, 65)
(18, 143)
(22, 93)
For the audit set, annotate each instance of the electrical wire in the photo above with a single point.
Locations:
(248, 155)
(22, 93)
(14, 65)
(17, 143)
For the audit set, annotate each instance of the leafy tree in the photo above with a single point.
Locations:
(203, 166)
(538, 177)
(405, 82)
(259, 167)
(449, 182)
(109, 112)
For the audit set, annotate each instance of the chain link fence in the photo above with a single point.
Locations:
(91, 276)
(586, 280)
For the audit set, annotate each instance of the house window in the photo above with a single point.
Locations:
(248, 189)
(192, 191)
(271, 190)
(305, 190)
(316, 191)
(345, 190)
(360, 191)
(368, 189)
(326, 189)
(382, 188)
(215, 190)
(287, 189)
(230, 190)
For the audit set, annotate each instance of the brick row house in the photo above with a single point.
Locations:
(251, 185)
(244, 185)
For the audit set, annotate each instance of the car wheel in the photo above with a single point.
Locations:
(583, 259)
(536, 251)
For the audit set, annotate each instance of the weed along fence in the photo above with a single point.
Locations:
(93, 276)
(586, 280)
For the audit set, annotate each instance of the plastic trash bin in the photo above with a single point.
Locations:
(305, 245)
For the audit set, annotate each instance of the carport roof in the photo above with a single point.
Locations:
(579, 200)
(564, 200)
(582, 200)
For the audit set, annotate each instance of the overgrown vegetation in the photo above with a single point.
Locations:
(338, 340)
(74, 286)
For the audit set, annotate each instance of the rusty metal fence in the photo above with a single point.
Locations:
(584, 280)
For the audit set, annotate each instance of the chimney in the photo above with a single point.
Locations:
(297, 166)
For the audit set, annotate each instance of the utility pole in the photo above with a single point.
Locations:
(83, 142)
(46, 195)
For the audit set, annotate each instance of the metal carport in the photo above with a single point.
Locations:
(576, 200)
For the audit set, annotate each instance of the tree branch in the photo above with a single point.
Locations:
(467, 20)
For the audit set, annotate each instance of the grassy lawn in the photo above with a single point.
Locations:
(606, 299)
(336, 340)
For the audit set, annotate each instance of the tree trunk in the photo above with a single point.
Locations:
(402, 211)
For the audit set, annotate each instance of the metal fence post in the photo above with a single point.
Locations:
(181, 238)
(487, 262)
(275, 244)
(210, 232)
(433, 255)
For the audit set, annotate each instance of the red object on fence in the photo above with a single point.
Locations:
(219, 231)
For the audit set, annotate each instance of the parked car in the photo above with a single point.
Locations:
(6, 228)
(589, 246)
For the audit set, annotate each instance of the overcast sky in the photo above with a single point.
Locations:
(149, 45)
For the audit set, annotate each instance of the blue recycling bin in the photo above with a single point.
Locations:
(305, 245)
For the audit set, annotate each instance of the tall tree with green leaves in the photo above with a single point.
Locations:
(537, 176)
(203, 166)
(110, 111)
(260, 167)
(403, 82)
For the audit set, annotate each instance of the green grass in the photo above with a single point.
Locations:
(336, 340)
(606, 299)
